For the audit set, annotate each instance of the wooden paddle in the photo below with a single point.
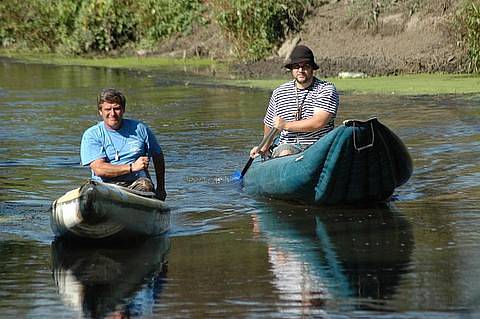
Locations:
(264, 141)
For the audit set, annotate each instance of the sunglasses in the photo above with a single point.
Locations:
(304, 66)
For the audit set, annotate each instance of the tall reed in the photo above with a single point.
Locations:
(468, 26)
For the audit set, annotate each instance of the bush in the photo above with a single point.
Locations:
(73, 26)
(468, 26)
(36, 23)
(158, 19)
(103, 25)
(255, 27)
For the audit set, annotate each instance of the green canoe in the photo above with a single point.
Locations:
(360, 161)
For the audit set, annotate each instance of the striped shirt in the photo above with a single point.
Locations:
(321, 95)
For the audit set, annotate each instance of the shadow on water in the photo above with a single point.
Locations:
(112, 280)
(326, 256)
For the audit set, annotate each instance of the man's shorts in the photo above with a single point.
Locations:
(293, 149)
(142, 184)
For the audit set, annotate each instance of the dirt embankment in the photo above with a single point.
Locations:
(376, 43)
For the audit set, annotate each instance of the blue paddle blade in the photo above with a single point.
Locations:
(237, 176)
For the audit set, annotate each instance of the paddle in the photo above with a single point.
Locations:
(264, 141)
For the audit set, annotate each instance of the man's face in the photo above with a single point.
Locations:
(112, 114)
(302, 72)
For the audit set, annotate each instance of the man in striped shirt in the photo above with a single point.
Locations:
(303, 109)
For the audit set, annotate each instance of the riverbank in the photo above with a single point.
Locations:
(209, 72)
(376, 38)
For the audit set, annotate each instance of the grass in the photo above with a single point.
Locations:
(135, 62)
(411, 84)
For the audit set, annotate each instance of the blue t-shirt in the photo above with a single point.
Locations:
(122, 146)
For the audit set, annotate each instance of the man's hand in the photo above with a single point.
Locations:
(140, 164)
(254, 152)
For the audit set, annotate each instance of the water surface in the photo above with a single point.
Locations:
(229, 254)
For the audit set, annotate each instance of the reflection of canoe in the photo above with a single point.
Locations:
(356, 162)
(344, 252)
(98, 210)
(95, 281)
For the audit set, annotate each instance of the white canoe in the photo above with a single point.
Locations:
(99, 210)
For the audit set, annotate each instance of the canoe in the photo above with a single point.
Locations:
(99, 210)
(359, 161)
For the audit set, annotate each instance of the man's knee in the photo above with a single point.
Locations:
(142, 184)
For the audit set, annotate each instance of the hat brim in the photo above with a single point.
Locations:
(295, 61)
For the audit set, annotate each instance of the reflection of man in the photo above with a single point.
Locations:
(118, 150)
(295, 279)
(304, 108)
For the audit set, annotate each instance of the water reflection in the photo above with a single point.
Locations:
(321, 257)
(110, 281)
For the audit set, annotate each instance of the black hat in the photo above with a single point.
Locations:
(299, 54)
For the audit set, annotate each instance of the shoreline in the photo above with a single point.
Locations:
(210, 72)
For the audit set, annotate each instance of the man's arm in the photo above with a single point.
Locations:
(159, 164)
(107, 170)
(316, 122)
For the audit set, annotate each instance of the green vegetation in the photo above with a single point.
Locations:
(105, 26)
(256, 27)
(93, 26)
(468, 27)
(141, 63)
(417, 84)
(159, 19)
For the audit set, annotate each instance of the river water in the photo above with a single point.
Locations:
(228, 254)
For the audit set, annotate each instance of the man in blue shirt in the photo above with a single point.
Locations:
(118, 150)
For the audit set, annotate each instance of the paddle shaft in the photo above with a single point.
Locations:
(264, 141)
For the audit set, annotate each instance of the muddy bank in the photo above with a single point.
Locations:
(401, 40)
(369, 65)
